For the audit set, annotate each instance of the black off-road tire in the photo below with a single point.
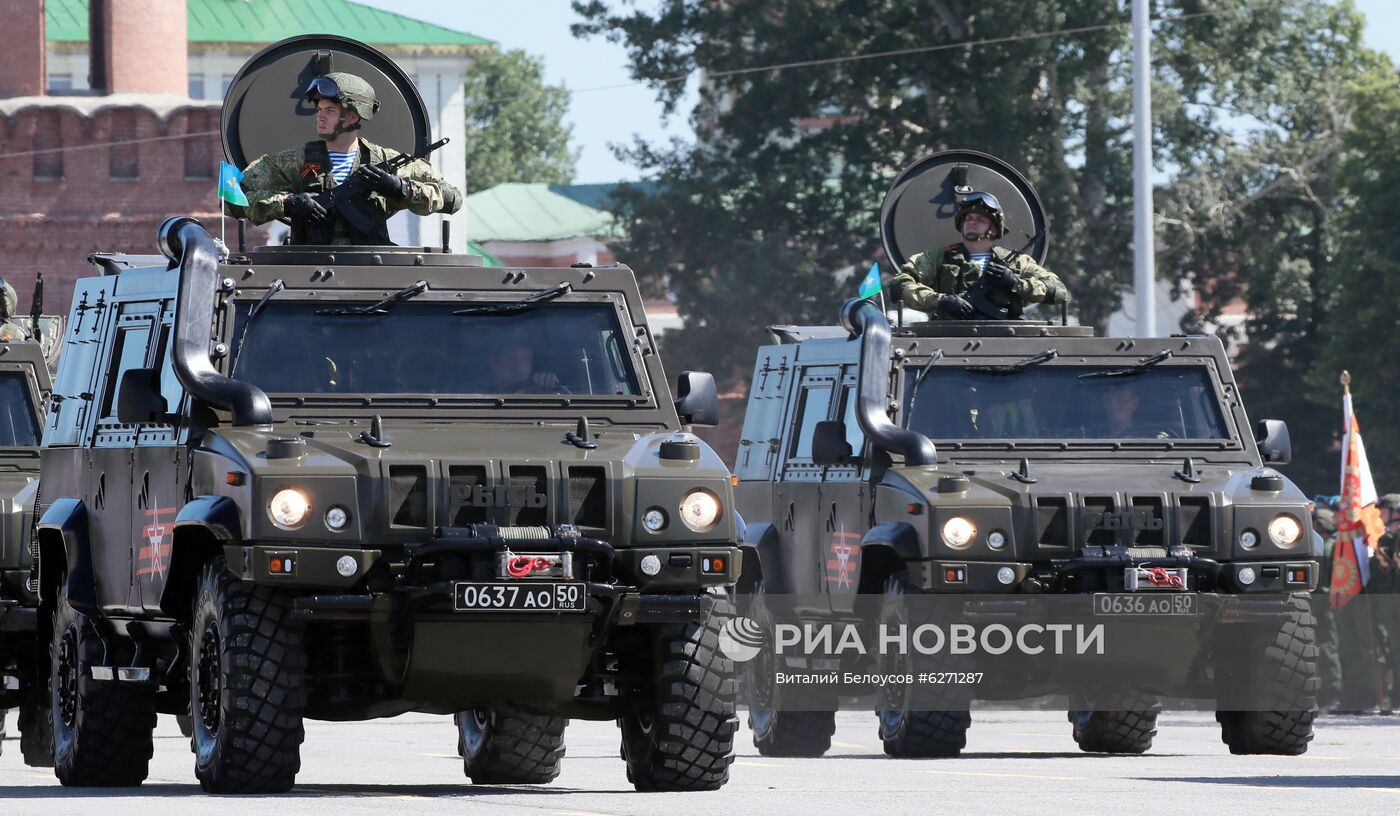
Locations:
(36, 732)
(1118, 722)
(186, 725)
(248, 728)
(680, 735)
(778, 731)
(102, 729)
(1285, 675)
(509, 745)
(907, 732)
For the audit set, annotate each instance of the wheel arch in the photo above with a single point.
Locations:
(65, 549)
(202, 528)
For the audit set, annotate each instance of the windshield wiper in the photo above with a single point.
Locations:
(272, 290)
(523, 305)
(1016, 368)
(1139, 367)
(382, 307)
(919, 380)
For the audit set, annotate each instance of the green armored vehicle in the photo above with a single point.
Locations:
(960, 472)
(24, 391)
(342, 482)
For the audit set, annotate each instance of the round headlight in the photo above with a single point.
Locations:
(288, 507)
(959, 531)
(996, 539)
(651, 565)
(1006, 575)
(337, 517)
(346, 565)
(700, 510)
(1246, 576)
(654, 520)
(1249, 539)
(1285, 530)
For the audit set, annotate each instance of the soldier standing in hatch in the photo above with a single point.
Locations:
(11, 331)
(284, 185)
(938, 282)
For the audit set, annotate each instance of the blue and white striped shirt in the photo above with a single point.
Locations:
(979, 258)
(341, 165)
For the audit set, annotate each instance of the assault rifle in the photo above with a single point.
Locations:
(346, 199)
(36, 307)
(983, 307)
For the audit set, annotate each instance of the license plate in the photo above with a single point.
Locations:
(1136, 604)
(522, 596)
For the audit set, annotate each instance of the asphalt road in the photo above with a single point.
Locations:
(1014, 763)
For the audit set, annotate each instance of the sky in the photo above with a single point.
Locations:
(615, 115)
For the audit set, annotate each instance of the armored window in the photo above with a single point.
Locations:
(123, 157)
(128, 352)
(77, 364)
(811, 409)
(18, 425)
(854, 437)
(170, 387)
(48, 142)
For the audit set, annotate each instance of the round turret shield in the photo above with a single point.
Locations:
(917, 215)
(265, 110)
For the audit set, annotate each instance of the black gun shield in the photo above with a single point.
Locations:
(264, 110)
(917, 214)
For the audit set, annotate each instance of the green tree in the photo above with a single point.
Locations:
(1364, 290)
(782, 187)
(515, 122)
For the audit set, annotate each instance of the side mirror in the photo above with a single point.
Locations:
(829, 445)
(697, 399)
(138, 397)
(1275, 446)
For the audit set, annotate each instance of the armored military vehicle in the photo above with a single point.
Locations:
(349, 482)
(24, 391)
(965, 471)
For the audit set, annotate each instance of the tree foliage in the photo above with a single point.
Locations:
(515, 122)
(1256, 147)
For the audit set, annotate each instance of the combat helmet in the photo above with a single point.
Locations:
(350, 91)
(985, 203)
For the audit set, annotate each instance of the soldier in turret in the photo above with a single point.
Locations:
(943, 283)
(284, 185)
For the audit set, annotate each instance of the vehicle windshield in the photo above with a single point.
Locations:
(1062, 403)
(19, 428)
(421, 347)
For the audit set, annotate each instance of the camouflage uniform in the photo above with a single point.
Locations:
(927, 276)
(270, 179)
(10, 331)
(1385, 591)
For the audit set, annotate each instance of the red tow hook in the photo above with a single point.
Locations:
(522, 566)
(1158, 576)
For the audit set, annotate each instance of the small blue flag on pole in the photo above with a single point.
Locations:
(870, 286)
(229, 188)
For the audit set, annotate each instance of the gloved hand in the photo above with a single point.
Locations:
(955, 307)
(380, 181)
(895, 288)
(1000, 275)
(304, 207)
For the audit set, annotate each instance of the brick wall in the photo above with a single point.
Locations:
(56, 208)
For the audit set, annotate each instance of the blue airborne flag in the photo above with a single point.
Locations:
(229, 188)
(870, 285)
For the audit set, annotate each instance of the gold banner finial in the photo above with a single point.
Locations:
(1346, 381)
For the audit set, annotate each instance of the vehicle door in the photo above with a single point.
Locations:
(108, 488)
(159, 472)
(799, 515)
(845, 504)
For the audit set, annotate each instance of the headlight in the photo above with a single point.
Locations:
(1285, 530)
(288, 508)
(654, 520)
(700, 510)
(959, 532)
(337, 517)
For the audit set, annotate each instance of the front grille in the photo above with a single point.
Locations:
(529, 485)
(588, 496)
(1147, 514)
(1096, 507)
(408, 495)
(1194, 522)
(462, 480)
(1052, 522)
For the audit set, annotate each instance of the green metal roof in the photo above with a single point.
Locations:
(266, 21)
(532, 212)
